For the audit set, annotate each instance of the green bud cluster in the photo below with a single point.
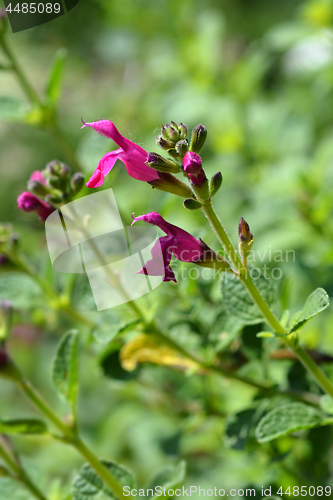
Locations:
(173, 140)
(60, 186)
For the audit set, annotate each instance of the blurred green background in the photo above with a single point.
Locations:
(259, 75)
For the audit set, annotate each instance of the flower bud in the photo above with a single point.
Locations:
(164, 143)
(215, 184)
(55, 182)
(38, 188)
(199, 134)
(170, 132)
(182, 147)
(64, 171)
(28, 202)
(192, 204)
(6, 316)
(193, 167)
(182, 130)
(171, 184)
(245, 238)
(54, 199)
(52, 168)
(77, 182)
(158, 162)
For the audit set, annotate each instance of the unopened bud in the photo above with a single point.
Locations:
(38, 188)
(53, 199)
(77, 182)
(6, 316)
(164, 143)
(182, 130)
(245, 238)
(192, 204)
(215, 184)
(182, 147)
(52, 168)
(55, 181)
(171, 184)
(158, 162)
(193, 168)
(64, 171)
(199, 134)
(170, 132)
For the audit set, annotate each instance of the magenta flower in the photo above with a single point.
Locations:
(132, 155)
(193, 167)
(177, 242)
(28, 202)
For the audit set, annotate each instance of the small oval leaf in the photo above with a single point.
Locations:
(287, 419)
(88, 484)
(315, 303)
(22, 426)
(65, 367)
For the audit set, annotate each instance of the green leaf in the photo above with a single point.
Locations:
(170, 477)
(53, 89)
(239, 303)
(13, 109)
(106, 333)
(315, 303)
(326, 404)
(89, 486)
(20, 289)
(65, 368)
(286, 419)
(23, 426)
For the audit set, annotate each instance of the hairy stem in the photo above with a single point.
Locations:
(266, 312)
(70, 436)
(20, 474)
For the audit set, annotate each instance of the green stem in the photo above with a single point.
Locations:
(35, 99)
(26, 86)
(268, 315)
(70, 437)
(20, 473)
(299, 396)
(101, 470)
(44, 408)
